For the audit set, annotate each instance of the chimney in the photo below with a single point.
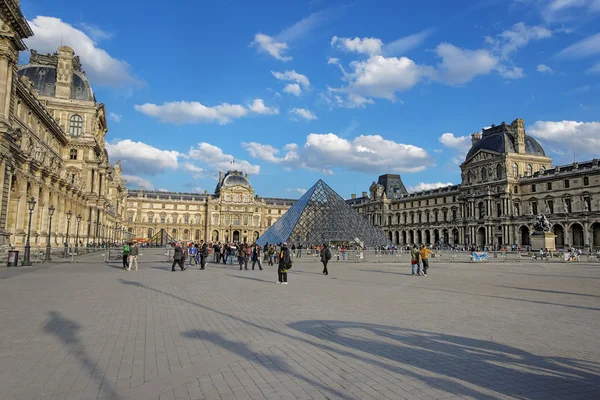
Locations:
(64, 72)
(353, 196)
(475, 138)
(220, 177)
(364, 194)
(518, 129)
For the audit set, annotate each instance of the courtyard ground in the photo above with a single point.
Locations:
(367, 331)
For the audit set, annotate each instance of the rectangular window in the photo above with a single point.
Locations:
(549, 186)
(534, 209)
(533, 187)
(551, 206)
(73, 154)
(445, 200)
(567, 205)
(498, 209)
(434, 201)
(567, 184)
(516, 189)
(453, 199)
(586, 181)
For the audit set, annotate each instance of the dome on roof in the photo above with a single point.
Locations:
(44, 81)
(235, 180)
(503, 142)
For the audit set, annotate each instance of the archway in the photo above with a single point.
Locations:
(411, 237)
(186, 234)
(404, 237)
(397, 237)
(236, 236)
(559, 241)
(150, 233)
(481, 236)
(436, 236)
(427, 237)
(197, 236)
(577, 235)
(446, 236)
(390, 238)
(596, 235)
(255, 235)
(455, 236)
(524, 236)
(214, 236)
(419, 237)
(174, 234)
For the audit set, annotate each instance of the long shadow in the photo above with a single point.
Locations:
(304, 272)
(68, 332)
(437, 353)
(560, 276)
(250, 279)
(384, 272)
(115, 266)
(549, 291)
(244, 351)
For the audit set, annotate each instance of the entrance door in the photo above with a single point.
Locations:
(236, 236)
(525, 236)
(481, 237)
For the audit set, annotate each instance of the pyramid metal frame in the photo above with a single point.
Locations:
(162, 237)
(323, 216)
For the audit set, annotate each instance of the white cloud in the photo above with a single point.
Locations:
(304, 113)
(114, 117)
(134, 182)
(544, 69)
(594, 70)
(557, 10)
(324, 152)
(333, 60)
(587, 47)
(186, 112)
(427, 186)
(293, 88)
(163, 190)
(197, 171)
(139, 157)
(405, 44)
(268, 44)
(368, 46)
(461, 143)
(510, 72)
(571, 136)
(508, 42)
(296, 190)
(258, 107)
(100, 67)
(461, 66)
(216, 159)
(97, 34)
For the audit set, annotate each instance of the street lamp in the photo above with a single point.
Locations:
(77, 235)
(69, 215)
(87, 240)
(100, 233)
(27, 257)
(95, 231)
(48, 246)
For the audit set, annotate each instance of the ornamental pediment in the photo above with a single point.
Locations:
(482, 156)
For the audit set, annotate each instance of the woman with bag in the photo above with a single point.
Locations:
(414, 259)
(285, 263)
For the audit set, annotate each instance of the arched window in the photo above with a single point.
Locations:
(469, 177)
(529, 170)
(236, 219)
(215, 219)
(515, 170)
(256, 220)
(483, 174)
(75, 125)
(499, 171)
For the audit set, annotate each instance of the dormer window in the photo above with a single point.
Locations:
(75, 125)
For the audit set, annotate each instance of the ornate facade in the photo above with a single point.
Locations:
(507, 179)
(52, 146)
(233, 212)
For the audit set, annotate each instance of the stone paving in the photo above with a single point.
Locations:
(367, 331)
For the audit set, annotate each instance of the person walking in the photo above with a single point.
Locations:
(126, 252)
(134, 251)
(414, 259)
(425, 252)
(178, 257)
(203, 254)
(256, 257)
(285, 263)
(242, 256)
(271, 253)
(325, 257)
(299, 251)
(192, 251)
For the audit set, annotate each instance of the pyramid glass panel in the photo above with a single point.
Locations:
(322, 216)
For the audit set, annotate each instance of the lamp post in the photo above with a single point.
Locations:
(69, 215)
(95, 231)
(87, 239)
(27, 257)
(48, 244)
(100, 233)
(77, 235)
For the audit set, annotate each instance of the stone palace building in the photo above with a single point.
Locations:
(507, 179)
(232, 213)
(52, 150)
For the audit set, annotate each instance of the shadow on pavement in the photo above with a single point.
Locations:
(251, 279)
(67, 332)
(549, 291)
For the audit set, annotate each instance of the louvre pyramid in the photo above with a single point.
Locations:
(322, 216)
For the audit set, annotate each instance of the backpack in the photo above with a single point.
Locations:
(327, 255)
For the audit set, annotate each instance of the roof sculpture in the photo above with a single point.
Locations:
(321, 216)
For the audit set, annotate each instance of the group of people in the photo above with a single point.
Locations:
(131, 252)
(420, 256)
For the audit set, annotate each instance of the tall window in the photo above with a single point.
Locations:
(515, 170)
(75, 125)
(483, 174)
(215, 219)
(586, 181)
(529, 170)
(73, 154)
(245, 220)
(499, 171)
(549, 185)
(236, 219)
(567, 184)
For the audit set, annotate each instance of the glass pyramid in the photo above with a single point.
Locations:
(322, 216)
(162, 238)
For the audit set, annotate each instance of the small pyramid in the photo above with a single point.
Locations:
(321, 216)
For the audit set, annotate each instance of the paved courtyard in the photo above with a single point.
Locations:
(367, 331)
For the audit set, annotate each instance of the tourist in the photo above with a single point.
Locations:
(293, 250)
(126, 251)
(325, 257)
(271, 253)
(242, 256)
(414, 259)
(285, 263)
(134, 251)
(203, 254)
(178, 257)
(192, 251)
(424, 253)
(299, 251)
(256, 257)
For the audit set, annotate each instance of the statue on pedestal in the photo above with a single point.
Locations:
(541, 224)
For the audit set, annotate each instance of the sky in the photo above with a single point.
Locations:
(294, 91)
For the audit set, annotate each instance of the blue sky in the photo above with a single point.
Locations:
(294, 91)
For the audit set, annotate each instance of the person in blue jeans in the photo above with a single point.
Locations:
(414, 259)
(192, 251)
